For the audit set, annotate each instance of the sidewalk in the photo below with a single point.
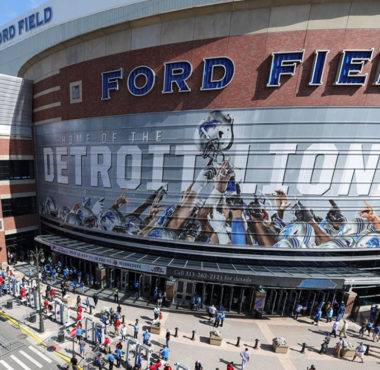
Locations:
(187, 351)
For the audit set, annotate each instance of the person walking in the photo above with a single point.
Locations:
(100, 362)
(87, 303)
(230, 366)
(211, 312)
(359, 352)
(222, 318)
(335, 328)
(198, 366)
(167, 337)
(74, 362)
(329, 314)
(82, 347)
(96, 299)
(124, 332)
(146, 337)
(318, 316)
(111, 360)
(156, 312)
(343, 331)
(116, 295)
(244, 358)
(165, 353)
(118, 355)
(136, 329)
(218, 318)
(339, 347)
(299, 308)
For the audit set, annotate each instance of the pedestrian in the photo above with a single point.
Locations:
(124, 332)
(74, 362)
(99, 335)
(339, 347)
(100, 362)
(335, 328)
(82, 347)
(329, 314)
(318, 316)
(343, 331)
(165, 353)
(118, 309)
(118, 355)
(117, 324)
(167, 337)
(244, 358)
(359, 352)
(96, 299)
(156, 312)
(222, 318)
(79, 334)
(369, 327)
(111, 360)
(78, 300)
(81, 287)
(198, 366)
(217, 319)
(107, 345)
(363, 326)
(230, 366)
(312, 367)
(137, 289)
(74, 284)
(299, 308)
(373, 313)
(167, 367)
(146, 337)
(136, 329)
(341, 310)
(198, 303)
(211, 312)
(87, 303)
(376, 334)
(116, 295)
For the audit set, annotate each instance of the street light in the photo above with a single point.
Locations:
(37, 256)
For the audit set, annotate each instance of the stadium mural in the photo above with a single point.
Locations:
(256, 177)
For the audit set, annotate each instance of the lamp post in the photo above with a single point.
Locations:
(37, 255)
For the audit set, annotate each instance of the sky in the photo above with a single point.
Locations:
(11, 9)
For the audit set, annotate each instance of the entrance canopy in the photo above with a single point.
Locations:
(333, 277)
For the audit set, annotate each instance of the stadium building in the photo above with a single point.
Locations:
(228, 149)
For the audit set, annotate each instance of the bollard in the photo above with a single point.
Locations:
(366, 350)
(123, 319)
(176, 332)
(238, 342)
(256, 343)
(90, 310)
(193, 337)
(303, 347)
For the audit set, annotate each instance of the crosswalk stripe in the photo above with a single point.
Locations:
(14, 358)
(6, 365)
(39, 353)
(31, 359)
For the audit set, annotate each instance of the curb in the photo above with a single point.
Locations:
(34, 336)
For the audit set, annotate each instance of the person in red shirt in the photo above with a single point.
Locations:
(117, 326)
(23, 292)
(152, 366)
(79, 317)
(158, 365)
(80, 309)
(107, 345)
(46, 304)
(52, 293)
(79, 325)
(230, 366)
(167, 367)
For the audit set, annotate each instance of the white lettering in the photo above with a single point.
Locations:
(78, 152)
(158, 152)
(121, 165)
(62, 165)
(49, 164)
(102, 168)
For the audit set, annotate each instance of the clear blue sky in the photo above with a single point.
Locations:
(11, 9)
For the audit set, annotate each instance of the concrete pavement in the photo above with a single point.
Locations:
(187, 351)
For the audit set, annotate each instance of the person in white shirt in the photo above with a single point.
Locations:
(124, 332)
(244, 358)
(359, 352)
(335, 328)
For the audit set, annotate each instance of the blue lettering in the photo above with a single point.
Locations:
(283, 63)
(177, 73)
(31, 21)
(208, 81)
(26, 24)
(318, 67)
(38, 21)
(5, 34)
(150, 77)
(110, 81)
(351, 66)
(1, 38)
(48, 14)
(12, 31)
(20, 26)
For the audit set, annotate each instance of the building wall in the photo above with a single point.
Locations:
(16, 146)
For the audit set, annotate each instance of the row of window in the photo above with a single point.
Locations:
(16, 170)
(18, 206)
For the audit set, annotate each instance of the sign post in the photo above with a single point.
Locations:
(73, 334)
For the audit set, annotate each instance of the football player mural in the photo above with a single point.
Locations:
(213, 209)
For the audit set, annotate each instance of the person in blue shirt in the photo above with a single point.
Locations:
(136, 329)
(118, 355)
(218, 318)
(99, 335)
(137, 289)
(199, 303)
(223, 317)
(318, 316)
(81, 286)
(74, 284)
(111, 360)
(165, 353)
(79, 333)
(139, 361)
(146, 337)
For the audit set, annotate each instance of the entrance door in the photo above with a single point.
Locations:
(124, 280)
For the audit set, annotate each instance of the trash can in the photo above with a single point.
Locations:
(10, 304)
(258, 314)
(33, 317)
(61, 336)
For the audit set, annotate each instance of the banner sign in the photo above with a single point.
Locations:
(282, 177)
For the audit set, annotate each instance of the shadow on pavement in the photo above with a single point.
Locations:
(266, 347)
